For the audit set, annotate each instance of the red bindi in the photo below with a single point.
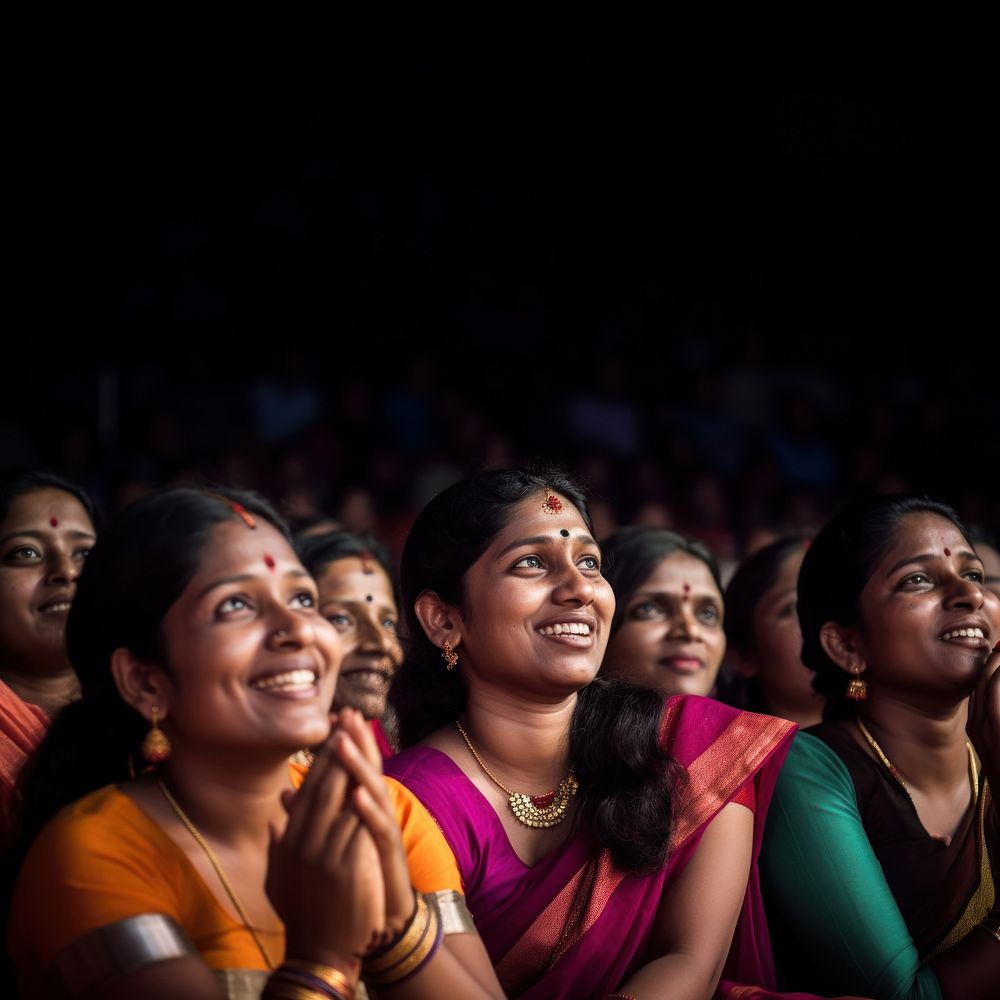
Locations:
(687, 589)
(947, 551)
(366, 563)
(269, 561)
(54, 521)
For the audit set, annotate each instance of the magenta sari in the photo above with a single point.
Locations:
(573, 925)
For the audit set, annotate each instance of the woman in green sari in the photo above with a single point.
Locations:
(882, 841)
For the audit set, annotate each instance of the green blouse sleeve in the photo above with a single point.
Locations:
(827, 885)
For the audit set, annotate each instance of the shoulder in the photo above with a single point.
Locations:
(691, 725)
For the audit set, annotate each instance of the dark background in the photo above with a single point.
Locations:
(732, 267)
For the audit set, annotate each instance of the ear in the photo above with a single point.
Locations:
(842, 645)
(743, 664)
(439, 620)
(140, 684)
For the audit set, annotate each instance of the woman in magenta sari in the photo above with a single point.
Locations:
(635, 875)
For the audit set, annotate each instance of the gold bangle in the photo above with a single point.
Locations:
(402, 946)
(411, 963)
(290, 991)
(329, 974)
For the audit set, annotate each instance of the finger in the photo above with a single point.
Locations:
(320, 799)
(360, 731)
(365, 774)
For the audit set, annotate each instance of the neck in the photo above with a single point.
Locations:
(50, 692)
(803, 717)
(227, 800)
(529, 741)
(928, 749)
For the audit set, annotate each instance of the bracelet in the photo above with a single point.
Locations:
(413, 951)
(328, 975)
(294, 980)
(402, 942)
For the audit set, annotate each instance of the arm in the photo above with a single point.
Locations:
(822, 875)
(698, 913)
(416, 857)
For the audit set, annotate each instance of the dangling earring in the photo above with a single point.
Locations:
(156, 747)
(449, 655)
(857, 687)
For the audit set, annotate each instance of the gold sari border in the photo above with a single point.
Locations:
(717, 773)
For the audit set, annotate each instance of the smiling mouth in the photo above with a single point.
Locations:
(289, 682)
(56, 608)
(976, 635)
(371, 678)
(568, 628)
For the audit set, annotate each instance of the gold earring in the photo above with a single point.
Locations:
(857, 687)
(156, 746)
(449, 655)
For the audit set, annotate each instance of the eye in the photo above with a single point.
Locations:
(916, 579)
(389, 624)
(303, 599)
(232, 605)
(23, 553)
(645, 611)
(590, 564)
(788, 610)
(81, 554)
(710, 614)
(340, 620)
(975, 576)
(528, 562)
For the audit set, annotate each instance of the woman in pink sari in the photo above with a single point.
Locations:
(635, 876)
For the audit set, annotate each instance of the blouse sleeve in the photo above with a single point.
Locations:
(822, 876)
(432, 864)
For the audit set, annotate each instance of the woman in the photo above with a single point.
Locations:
(881, 846)
(200, 651)
(632, 872)
(667, 630)
(763, 635)
(357, 596)
(46, 531)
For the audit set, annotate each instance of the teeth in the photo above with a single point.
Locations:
(572, 628)
(54, 609)
(967, 633)
(292, 678)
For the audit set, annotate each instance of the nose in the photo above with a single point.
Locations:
(61, 568)
(574, 588)
(683, 624)
(966, 593)
(288, 630)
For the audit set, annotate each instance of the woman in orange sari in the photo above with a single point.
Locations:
(175, 857)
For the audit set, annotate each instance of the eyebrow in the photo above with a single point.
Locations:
(41, 535)
(966, 554)
(248, 578)
(542, 540)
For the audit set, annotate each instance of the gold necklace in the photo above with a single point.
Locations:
(536, 811)
(210, 854)
(891, 768)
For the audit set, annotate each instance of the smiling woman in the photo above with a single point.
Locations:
(667, 631)
(46, 531)
(606, 838)
(881, 854)
(356, 595)
(175, 858)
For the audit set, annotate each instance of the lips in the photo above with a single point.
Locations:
(58, 605)
(682, 664)
(974, 634)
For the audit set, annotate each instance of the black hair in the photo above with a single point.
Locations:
(137, 569)
(836, 567)
(318, 551)
(628, 784)
(631, 554)
(753, 578)
(20, 480)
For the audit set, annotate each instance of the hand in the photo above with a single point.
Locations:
(324, 875)
(370, 799)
